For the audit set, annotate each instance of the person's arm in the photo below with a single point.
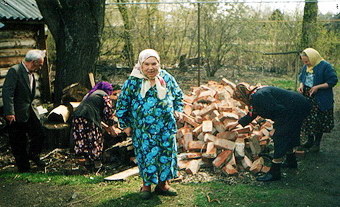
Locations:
(302, 74)
(178, 98)
(330, 77)
(8, 94)
(300, 89)
(123, 105)
(245, 120)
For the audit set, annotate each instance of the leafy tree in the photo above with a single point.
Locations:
(76, 26)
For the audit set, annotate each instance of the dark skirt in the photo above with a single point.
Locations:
(317, 121)
(88, 138)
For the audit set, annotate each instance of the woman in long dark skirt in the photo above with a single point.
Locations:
(317, 81)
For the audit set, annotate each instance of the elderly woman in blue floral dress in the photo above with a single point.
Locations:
(146, 109)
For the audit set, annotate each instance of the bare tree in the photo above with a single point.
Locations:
(309, 24)
(76, 26)
(127, 34)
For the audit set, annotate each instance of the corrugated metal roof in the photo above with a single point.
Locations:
(19, 9)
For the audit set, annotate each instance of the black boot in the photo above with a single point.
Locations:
(273, 174)
(317, 142)
(290, 161)
(309, 143)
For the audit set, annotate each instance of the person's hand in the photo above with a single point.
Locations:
(128, 131)
(10, 118)
(300, 89)
(313, 90)
(179, 115)
(231, 125)
(113, 131)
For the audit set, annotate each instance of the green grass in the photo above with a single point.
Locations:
(53, 178)
(96, 192)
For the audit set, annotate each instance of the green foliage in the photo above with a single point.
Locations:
(233, 36)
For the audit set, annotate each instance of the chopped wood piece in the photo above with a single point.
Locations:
(257, 165)
(194, 166)
(187, 138)
(123, 175)
(254, 146)
(183, 164)
(209, 137)
(224, 144)
(227, 82)
(227, 135)
(187, 109)
(189, 155)
(223, 157)
(229, 169)
(188, 99)
(190, 120)
(239, 147)
(246, 163)
(218, 125)
(246, 129)
(265, 169)
(227, 115)
(207, 126)
(211, 149)
(197, 130)
(196, 145)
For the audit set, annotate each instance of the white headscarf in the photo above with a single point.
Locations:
(146, 84)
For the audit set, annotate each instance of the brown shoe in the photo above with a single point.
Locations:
(170, 192)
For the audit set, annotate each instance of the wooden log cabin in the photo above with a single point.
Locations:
(22, 29)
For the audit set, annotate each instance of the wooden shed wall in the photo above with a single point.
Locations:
(15, 40)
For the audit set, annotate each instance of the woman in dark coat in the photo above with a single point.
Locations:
(95, 111)
(286, 108)
(317, 81)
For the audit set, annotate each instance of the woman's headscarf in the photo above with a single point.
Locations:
(314, 58)
(103, 85)
(242, 93)
(146, 84)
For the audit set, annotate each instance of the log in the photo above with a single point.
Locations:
(92, 81)
(229, 169)
(59, 114)
(11, 43)
(56, 135)
(222, 158)
(123, 175)
(194, 166)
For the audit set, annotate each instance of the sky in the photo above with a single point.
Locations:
(325, 6)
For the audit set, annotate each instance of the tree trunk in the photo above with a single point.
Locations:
(309, 31)
(128, 48)
(76, 26)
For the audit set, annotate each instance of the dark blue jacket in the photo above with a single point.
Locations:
(92, 107)
(323, 73)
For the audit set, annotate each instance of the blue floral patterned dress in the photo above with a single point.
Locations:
(153, 126)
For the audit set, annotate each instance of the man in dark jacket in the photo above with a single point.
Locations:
(18, 94)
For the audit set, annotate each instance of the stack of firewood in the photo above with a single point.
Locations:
(204, 139)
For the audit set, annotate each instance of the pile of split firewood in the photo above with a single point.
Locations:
(204, 139)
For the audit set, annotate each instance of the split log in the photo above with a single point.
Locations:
(59, 114)
(123, 175)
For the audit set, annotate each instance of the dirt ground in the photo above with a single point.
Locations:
(322, 169)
